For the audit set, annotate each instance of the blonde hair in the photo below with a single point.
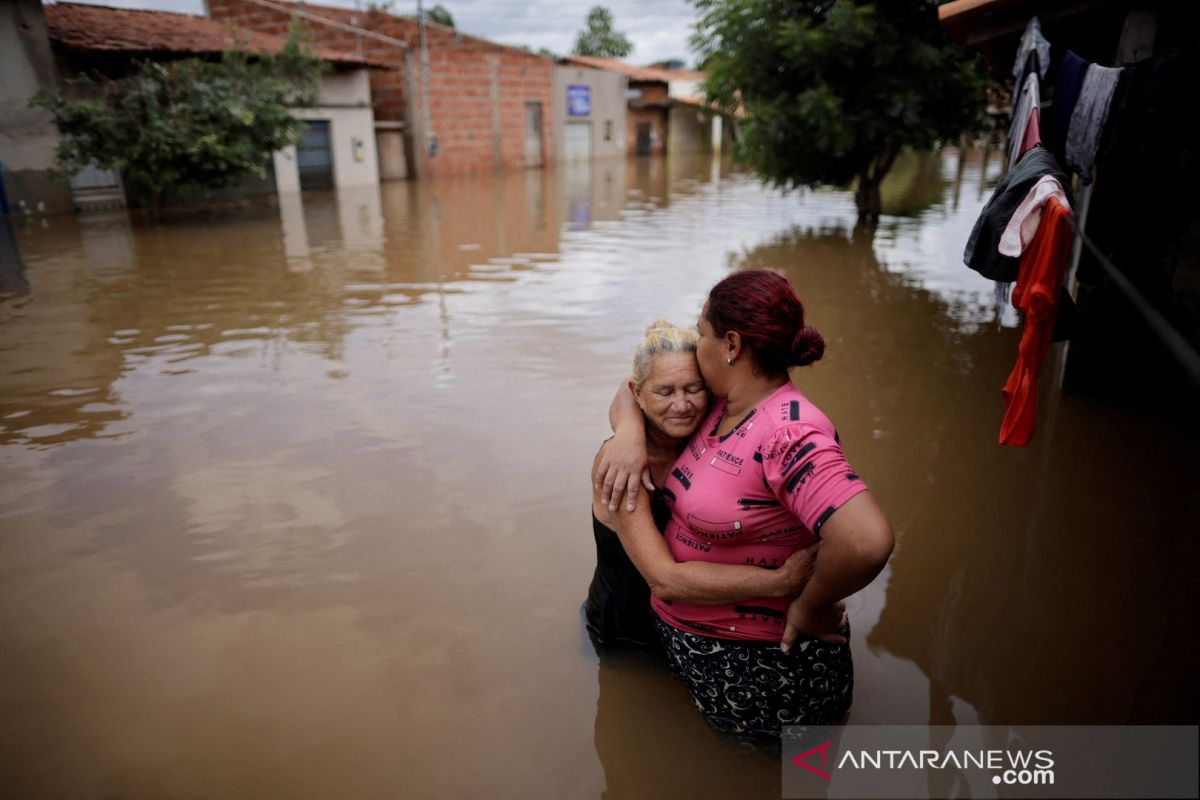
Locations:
(661, 337)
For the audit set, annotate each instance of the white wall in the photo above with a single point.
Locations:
(684, 89)
(608, 105)
(346, 103)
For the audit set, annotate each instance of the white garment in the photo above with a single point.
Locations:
(1023, 224)
(1029, 99)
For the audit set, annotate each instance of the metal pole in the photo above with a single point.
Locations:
(430, 137)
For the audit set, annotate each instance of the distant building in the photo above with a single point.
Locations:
(666, 109)
(589, 112)
(480, 106)
(337, 146)
(28, 137)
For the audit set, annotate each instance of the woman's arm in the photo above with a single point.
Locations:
(856, 543)
(698, 582)
(623, 462)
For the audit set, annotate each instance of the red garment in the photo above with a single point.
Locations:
(1033, 134)
(1036, 293)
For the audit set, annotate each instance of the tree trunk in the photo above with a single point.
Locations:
(867, 199)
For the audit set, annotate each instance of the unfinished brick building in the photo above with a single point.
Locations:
(488, 105)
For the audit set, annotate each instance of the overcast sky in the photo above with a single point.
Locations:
(659, 29)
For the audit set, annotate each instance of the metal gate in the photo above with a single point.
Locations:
(577, 141)
(645, 138)
(314, 155)
(533, 133)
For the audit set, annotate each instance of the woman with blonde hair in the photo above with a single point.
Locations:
(666, 386)
(763, 477)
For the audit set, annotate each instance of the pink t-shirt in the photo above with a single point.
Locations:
(753, 496)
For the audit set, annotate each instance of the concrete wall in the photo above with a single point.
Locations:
(608, 109)
(690, 129)
(28, 137)
(478, 90)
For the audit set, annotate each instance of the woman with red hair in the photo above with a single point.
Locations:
(763, 477)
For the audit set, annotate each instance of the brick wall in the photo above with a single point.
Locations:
(478, 90)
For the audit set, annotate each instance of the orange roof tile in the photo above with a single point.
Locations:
(119, 30)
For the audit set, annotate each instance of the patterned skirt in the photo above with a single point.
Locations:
(752, 689)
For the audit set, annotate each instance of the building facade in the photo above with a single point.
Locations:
(666, 111)
(589, 113)
(337, 146)
(28, 137)
(478, 106)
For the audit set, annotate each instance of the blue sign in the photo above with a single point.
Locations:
(579, 101)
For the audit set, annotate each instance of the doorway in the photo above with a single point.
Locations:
(314, 155)
(533, 133)
(645, 138)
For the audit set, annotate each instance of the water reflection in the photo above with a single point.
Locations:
(321, 462)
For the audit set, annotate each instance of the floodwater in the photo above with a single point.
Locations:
(294, 499)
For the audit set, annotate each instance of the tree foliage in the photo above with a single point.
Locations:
(186, 126)
(833, 90)
(441, 15)
(598, 38)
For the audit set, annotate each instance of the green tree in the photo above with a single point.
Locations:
(598, 37)
(833, 91)
(440, 15)
(186, 126)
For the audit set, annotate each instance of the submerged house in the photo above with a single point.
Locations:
(461, 105)
(666, 109)
(337, 147)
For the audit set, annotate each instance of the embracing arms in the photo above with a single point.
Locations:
(623, 465)
(698, 582)
(856, 542)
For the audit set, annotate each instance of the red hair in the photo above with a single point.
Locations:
(761, 305)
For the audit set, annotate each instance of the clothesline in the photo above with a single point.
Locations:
(1172, 339)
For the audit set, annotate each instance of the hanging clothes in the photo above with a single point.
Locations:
(982, 252)
(1071, 73)
(1036, 294)
(1088, 117)
(1033, 133)
(1025, 220)
(1032, 42)
(1026, 105)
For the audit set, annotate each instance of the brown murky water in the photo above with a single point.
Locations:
(294, 501)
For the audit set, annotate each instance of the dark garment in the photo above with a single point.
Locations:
(982, 253)
(1066, 93)
(753, 689)
(618, 602)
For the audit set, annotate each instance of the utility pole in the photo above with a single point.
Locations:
(431, 146)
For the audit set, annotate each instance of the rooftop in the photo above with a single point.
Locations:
(120, 30)
(635, 73)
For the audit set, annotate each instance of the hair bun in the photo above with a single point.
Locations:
(657, 326)
(807, 346)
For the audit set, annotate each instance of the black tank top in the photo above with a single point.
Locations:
(618, 602)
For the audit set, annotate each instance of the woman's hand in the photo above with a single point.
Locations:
(620, 467)
(796, 571)
(825, 623)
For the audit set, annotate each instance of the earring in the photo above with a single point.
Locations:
(729, 361)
